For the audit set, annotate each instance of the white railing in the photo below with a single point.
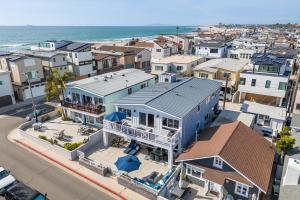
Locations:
(157, 138)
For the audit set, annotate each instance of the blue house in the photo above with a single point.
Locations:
(166, 115)
(88, 100)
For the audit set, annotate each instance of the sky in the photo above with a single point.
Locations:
(147, 12)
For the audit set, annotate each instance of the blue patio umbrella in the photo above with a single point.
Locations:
(115, 116)
(128, 163)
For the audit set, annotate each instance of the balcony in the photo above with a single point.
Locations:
(163, 139)
(88, 108)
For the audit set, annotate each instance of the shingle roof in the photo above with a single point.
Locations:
(112, 82)
(176, 99)
(239, 146)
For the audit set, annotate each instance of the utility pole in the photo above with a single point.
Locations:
(32, 100)
(225, 92)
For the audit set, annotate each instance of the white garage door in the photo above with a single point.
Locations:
(36, 91)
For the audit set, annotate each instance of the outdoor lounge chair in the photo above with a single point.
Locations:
(131, 146)
(134, 151)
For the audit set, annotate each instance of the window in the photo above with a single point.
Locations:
(179, 68)
(54, 60)
(129, 90)
(199, 108)
(159, 68)
(203, 75)
(268, 84)
(142, 119)
(213, 50)
(226, 74)
(126, 111)
(242, 81)
(158, 50)
(140, 56)
(32, 75)
(218, 162)
(64, 59)
(75, 55)
(170, 123)
(197, 173)
(143, 85)
(282, 86)
(241, 189)
(298, 106)
(1, 82)
(253, 82)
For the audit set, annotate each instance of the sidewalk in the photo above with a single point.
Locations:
(20, 105)
(107, 185)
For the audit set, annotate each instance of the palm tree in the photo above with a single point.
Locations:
(56, 84)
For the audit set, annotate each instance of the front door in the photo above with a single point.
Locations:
(151, 120)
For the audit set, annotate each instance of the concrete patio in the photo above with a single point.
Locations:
(51, 128)
(108, 157)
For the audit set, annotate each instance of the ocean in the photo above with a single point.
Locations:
(15, 37)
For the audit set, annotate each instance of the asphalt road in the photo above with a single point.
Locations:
(37, 172)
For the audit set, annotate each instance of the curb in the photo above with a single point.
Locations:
(72, 170)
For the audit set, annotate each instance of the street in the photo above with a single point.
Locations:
(35, 171)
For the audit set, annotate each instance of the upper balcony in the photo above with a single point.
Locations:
(164, 138)
(90, 109)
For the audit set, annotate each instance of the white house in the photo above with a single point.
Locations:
(6, 90)
(271, 119)
(176, 64)
(265, 81)
(211, 49)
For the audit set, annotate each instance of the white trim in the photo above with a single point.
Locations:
(227, 164)
(243, 186)
(192, 167)
(218, 162)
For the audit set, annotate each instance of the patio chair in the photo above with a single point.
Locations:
(134, 151)
(130, 147)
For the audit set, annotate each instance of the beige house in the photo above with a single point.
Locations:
(24, 68)
(179, 64)
(220, 69)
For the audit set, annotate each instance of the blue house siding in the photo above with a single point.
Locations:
(195, 120)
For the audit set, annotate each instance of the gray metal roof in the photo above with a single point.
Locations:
(40, 54)
(176, 99)
(112, 82)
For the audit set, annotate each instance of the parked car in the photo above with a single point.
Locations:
(6, 180)
(20, 191)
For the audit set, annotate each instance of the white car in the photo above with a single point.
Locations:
(6, 180)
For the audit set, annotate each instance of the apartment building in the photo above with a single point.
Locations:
(179, 64)
(166, 115)
(3, 60)
(88, 100)
(6, 90)
(211, 49)
(265, 81)
(23, 69)
(220, 69)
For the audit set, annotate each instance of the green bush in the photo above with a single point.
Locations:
(71, 146)
(51, 141)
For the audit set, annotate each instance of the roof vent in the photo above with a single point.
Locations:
(105, 80)
(123, 74)
(111, 77)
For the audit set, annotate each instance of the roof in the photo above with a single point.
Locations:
(144, 44)
(4, 53)
(229, 64)
(177, 59)
(21, 191)
(176, 99)
(112, 82)
(14, 58)
(123, 49)
(267, 59)
(262, 109)
(40, 54)
(101, 56)
(215, 44)
(74, 47)
(229, 116)
(239, 146)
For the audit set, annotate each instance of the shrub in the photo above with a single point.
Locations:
(51, 141)
(71, 146)
(43, 137)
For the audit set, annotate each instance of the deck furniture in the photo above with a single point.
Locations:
(60, 135)
(130, 147)
(134, 151)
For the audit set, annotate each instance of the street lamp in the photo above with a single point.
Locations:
(32, 100)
